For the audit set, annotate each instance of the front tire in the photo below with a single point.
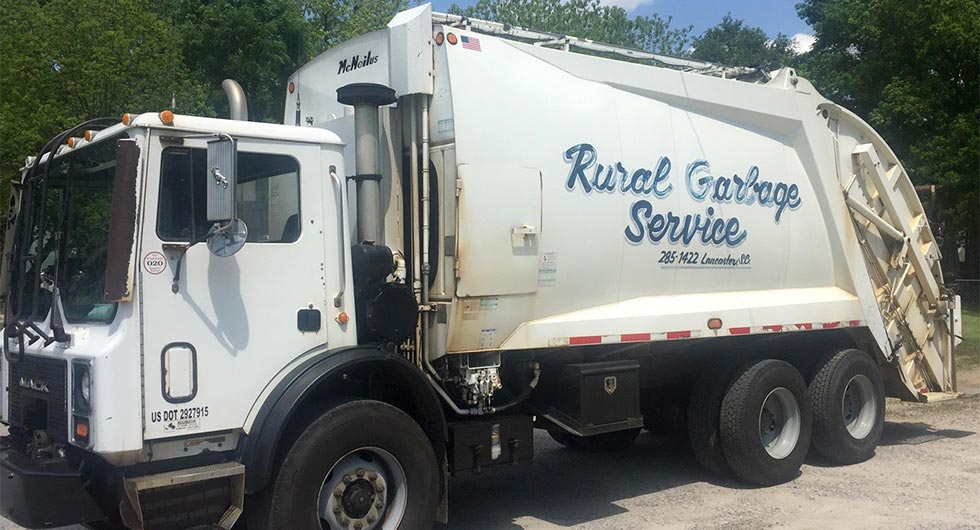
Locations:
(363, 462)
(766, 423)
(848, 407)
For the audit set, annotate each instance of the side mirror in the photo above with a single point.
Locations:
(227, 239)
(228, 234)
(222, 178)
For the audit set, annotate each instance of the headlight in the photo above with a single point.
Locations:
(81, 387)
(87, 386)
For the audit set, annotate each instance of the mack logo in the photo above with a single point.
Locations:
(356, 62)
(610, 384)
(37, 386)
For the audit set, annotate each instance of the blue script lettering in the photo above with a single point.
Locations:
(708, 229)
(701, 185)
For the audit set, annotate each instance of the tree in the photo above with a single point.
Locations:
(735, 44)
(911, 69)
(260, 43)
(255, 42)
(65, 62)
(341, 20)
(585, 19)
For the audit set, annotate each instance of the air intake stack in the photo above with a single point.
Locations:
(366, 98)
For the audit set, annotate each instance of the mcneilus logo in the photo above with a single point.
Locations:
(356, 62)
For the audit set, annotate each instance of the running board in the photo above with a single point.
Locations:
(209, 496)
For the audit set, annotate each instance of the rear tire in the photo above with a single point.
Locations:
(766, 423)
(703, 417)
(848, 399)
(369, 442)
(598, 443)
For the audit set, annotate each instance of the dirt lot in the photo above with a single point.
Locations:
(926, 475)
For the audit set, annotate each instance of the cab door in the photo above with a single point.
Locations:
(215, 337)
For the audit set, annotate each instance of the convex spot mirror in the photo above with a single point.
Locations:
(226, 239)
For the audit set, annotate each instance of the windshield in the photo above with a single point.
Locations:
(63, 236)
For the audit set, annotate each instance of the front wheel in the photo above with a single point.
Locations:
(363, 464)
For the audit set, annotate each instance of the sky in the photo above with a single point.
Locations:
(773, 16)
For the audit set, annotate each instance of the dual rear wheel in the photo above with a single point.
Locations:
(757, 421)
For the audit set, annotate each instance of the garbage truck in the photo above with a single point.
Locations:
(464, 232)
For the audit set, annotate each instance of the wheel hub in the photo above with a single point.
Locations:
(358, 499)
(779, 423)
(355, 494)
(859, 407)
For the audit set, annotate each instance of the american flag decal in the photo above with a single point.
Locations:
(470, 43)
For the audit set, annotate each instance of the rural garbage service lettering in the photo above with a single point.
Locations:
(654, 183)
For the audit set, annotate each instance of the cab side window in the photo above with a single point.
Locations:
(268, 196)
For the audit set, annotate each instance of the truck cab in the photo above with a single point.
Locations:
(128, 322)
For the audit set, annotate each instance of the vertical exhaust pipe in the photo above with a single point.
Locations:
(366, 98)
(236, 99)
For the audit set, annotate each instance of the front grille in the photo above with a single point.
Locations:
(39, 396)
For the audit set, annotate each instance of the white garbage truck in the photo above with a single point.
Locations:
(464, 231)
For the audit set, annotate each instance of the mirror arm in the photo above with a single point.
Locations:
(175, 285)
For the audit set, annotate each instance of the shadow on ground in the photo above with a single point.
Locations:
(917, 433)
(567, 488)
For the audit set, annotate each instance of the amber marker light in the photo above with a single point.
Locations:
(343, 318)
(81, 429)
(440, 37)
(714, 323)
(292, 88)
(126, 119)
(72, 141)
(167, 117)
(89, 135)
(452, 38)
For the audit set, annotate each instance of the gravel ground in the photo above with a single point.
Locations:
(926, 475)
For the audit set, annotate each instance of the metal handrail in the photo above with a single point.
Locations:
(338, 301)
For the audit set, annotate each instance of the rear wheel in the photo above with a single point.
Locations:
(704, 415)
(766, 423)
(598, 443)
(848, 399)
(364, 464)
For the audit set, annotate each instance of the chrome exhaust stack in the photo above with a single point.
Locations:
(366, 98)
(236, 99)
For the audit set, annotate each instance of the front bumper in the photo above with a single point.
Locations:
(43, 495)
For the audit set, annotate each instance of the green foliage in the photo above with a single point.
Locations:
(584, 19)
(256, 42)
(912, 70)
(341, 20)
(968, 352)
(65, 62)
(733, 43)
